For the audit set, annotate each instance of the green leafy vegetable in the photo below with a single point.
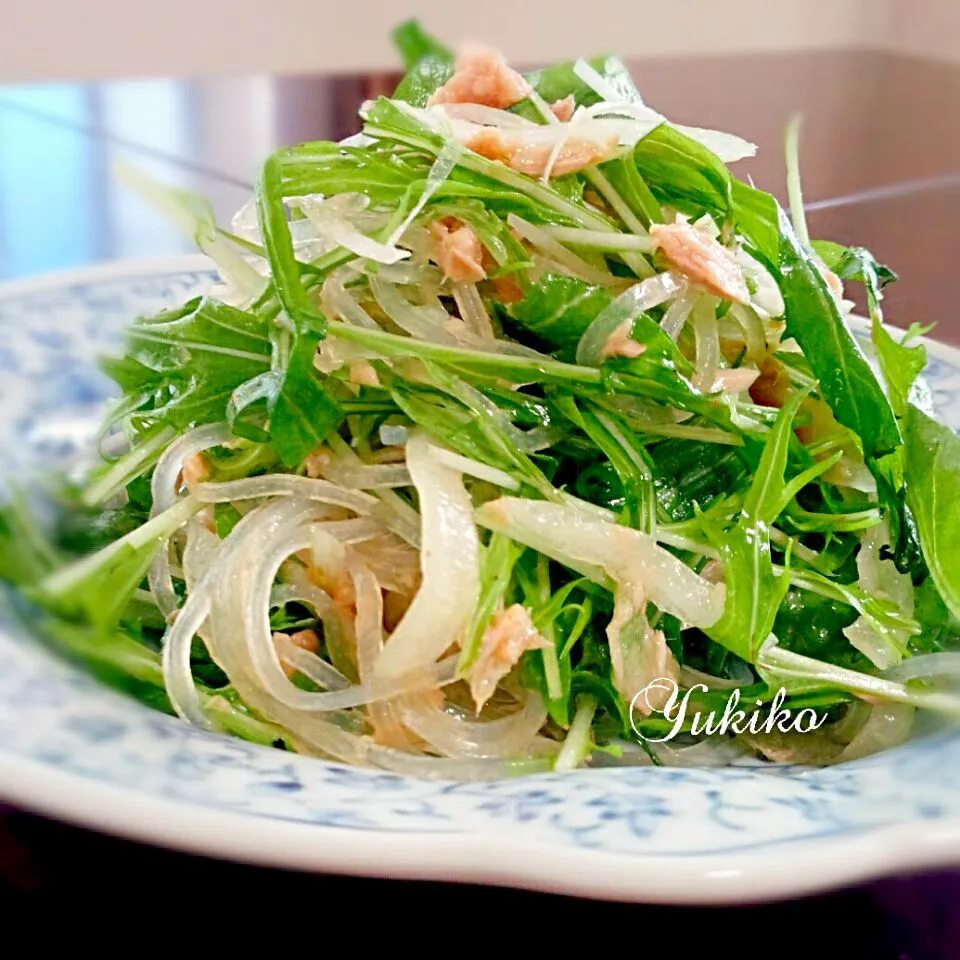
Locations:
(453, 433)
(932, 468)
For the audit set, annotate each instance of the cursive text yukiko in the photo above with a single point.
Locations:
(733, 719)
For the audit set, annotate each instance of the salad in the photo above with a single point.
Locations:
(505, 416)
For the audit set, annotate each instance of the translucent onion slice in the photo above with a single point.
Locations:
(337, 302)
(284, 485)
(383, 716)
(455, 736)
(474, 468)
(472, 311)
(177, 642)
(424, 323)
(478, 113)
(880, 577)
(704, 754)
(944, 664)
(310, 665)
(393, 511)
(888, 726)
(442, 167)
(366, 476)
(241, 572)
(601, 239)
(727, 146)
(567, 259)
(338, 635)
(873, 645)
(251, 583)
(623, 125)
(331, 225)
(198, 553)
(394, 563)
(628, 556)
(163, 485)
(679, 311)
(707, 340)
(441, 611)
(628, 306)
(163, 495)
(753, 331)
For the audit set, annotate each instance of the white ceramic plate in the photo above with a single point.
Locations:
(73, 749)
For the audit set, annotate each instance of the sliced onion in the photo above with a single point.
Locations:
(163, 494)
(443, 607)
(424, 323)
(478, 113)
(601, 239)
(887, 726)
(198, 553)
(603, 87)
(566, 258)
(284, 485)
(679, 311)
(727, 146)
(337, 302)
(707, 339)
(310, 665)
(873, 645)
(442, 167)
(472, 311)
(480, 769)
(393, 511)
(332, 226)
(880, 576)
(474, 468)
(415, 272)
(707, 753)
(628, 306)
(338, 633)
(394, 563)
(163, 485)
(734, 380)
(455, 736)
(753, 331)
(234, 587)
(177, 674)
(944, 664)
(628, 556)
(624, 125)
(257, 639)
(367, 476)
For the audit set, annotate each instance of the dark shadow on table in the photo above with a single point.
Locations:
(44, 863)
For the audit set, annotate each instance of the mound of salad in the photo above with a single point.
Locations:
(502, 411)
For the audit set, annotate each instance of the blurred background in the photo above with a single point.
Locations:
(197, 91)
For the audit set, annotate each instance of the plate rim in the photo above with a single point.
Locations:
(105, 270)
(816, 867)
(483, 857)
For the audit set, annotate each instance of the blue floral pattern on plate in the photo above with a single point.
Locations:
(55, 716)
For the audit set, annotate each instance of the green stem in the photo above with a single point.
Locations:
(501, 365)
(129, 466)
(579, 742)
